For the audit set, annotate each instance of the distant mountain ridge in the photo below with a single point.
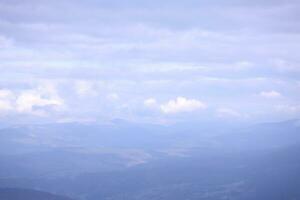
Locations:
(125, 160)
(27, 194)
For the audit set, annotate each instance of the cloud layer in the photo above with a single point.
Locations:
(181, 104)
(37, 101)
(80, 60)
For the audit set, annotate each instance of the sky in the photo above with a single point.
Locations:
(149, 61)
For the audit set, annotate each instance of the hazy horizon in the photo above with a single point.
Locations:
(149, 100)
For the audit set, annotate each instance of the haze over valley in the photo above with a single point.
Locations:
(149, 100)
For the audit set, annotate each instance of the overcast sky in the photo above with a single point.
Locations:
(153, 61)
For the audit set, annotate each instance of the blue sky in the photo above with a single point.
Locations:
(149, 61)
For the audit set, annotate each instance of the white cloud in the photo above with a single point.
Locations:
(4, 94)
(76, 120)
(283, 65)
(85, 88)
(182, 104)
(290, 109)
(6, 100)
(5, 105)
(227, 112)
(151, 102)
(270, 94)
(113, 96)
(36, 100)
(5, 42)
(241, 65)
(27, 101)
(33, 101)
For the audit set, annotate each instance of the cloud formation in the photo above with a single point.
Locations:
(270, 94)
(182, 104)
(85, 88)
(150, 103)
(228, 112)
(103, 66)
(34, 101)
(289, 109)
(6, 96)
